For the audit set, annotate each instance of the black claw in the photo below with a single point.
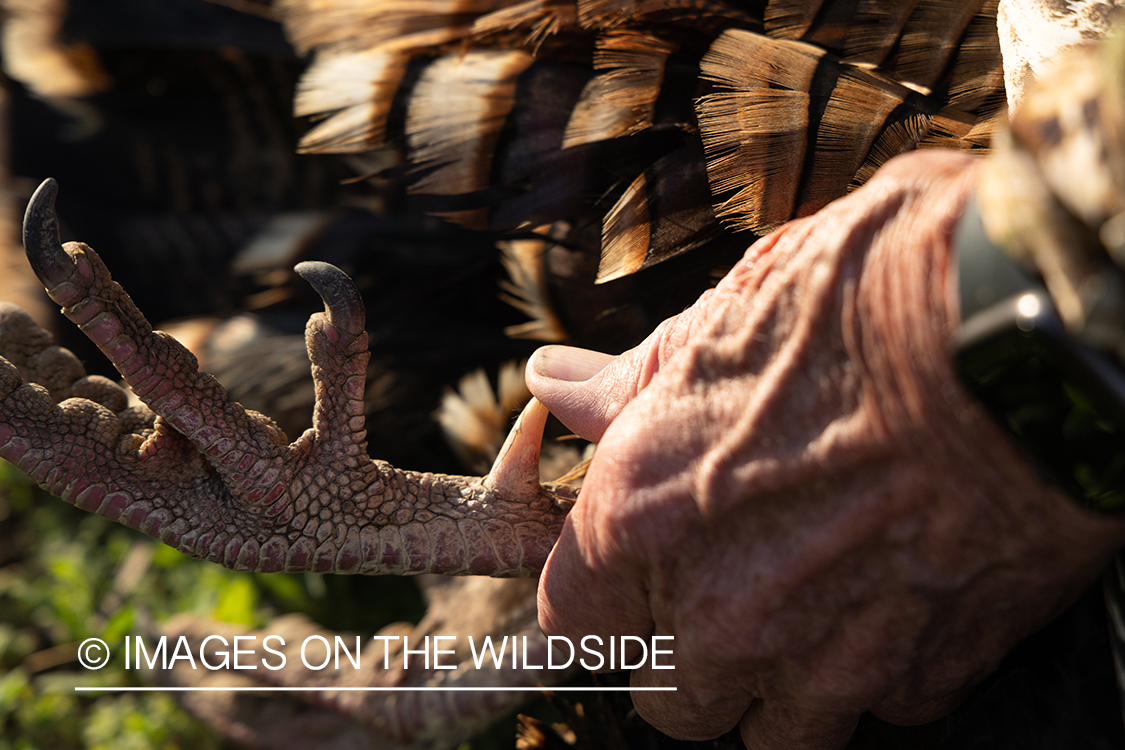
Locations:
(341, 299)
(41, 239)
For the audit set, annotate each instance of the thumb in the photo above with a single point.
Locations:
(586, 390)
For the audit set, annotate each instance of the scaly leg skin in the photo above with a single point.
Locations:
(218, 482)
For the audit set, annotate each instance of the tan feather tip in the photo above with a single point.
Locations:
(526, 290)
(475, 419)
(625, 234)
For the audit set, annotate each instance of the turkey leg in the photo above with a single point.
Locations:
(222, 483)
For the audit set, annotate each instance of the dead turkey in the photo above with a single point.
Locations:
(623, 153)
(648, 131)
(670, 121)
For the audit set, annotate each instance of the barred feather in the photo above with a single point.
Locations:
(620, 100)
(793, 127)
(787, 104)
(454, 121)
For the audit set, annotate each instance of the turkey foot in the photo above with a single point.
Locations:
(222, 483)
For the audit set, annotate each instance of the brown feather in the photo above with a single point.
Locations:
(625, 233)
(607, 14)
(37, 53)
(898, 137)
(665, 212)
(859, 109)
(354, 91)
(526, 290)
(930, 40)
(791, 119)
(754, 132)
(475, 419)
(790, 19)
(976, 81)
(536, 20)
(792, 127)
(871, 35)
(620, 100)
(365, 24)
(911, 41)
(455, 115)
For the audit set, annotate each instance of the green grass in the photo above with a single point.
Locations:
(56, 589)
(66, 576)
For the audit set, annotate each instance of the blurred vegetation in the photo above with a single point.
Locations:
(66, 575)
(57, 587)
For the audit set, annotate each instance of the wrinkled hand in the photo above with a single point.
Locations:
(791, 483)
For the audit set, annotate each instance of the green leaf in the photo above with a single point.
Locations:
(119, 626)
(237, 601)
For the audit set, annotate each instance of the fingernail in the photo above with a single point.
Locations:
(569, 363)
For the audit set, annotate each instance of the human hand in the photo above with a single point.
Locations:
(790, 481)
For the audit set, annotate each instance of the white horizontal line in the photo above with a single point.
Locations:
(244, 689)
